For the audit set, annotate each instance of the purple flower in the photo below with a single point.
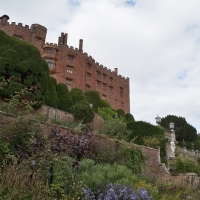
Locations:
(117, 192)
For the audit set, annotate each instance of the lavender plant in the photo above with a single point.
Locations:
(117, 192)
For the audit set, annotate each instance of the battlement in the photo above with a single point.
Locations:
(51, 45)
(20, 25)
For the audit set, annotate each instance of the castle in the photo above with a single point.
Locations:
(72, 66)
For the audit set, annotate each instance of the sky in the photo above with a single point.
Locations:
(156, 43)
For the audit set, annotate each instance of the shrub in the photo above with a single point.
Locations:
(93, 98)
(114, 128)
(51, 95)
(65, 101)
(21, 66)
(142, 129)
(94, 176)
(82, 112)
(104, 103)
(121, 114)
(77, 95)
(129, 117)
(151, 141)
(107, 113)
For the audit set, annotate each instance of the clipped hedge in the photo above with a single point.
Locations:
(77, 95)
(21, 66)
(129, 117)
(105, 103)
(65, 101)
(93, 98)
(121, 114)
(142, 129)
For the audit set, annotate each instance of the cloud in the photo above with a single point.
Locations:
(155, 43)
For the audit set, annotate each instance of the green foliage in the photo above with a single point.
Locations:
(21, 66)
(151, 141)
(185, 165)
(77, 95)
(129, 117)
(183, 130)
(93, 98)
(51, 95)
(105, 103)
(82, 112)
(121, 114)
(95, 176)
(107, 113)
(114, 128)
(141, 129)
(65, 101)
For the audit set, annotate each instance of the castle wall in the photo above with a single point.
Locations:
(71, 66)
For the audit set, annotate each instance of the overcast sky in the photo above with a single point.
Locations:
(156, 43)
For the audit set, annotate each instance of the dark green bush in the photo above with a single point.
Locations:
(51, 95)
(77, 95)
(121, 114)
(142, 129)
(21, 66)
(93, 98)
(129, 117)
(105, 103)
(82, 112)
(65, 101)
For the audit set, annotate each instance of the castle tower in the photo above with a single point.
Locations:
(38, 36)
(3, 20)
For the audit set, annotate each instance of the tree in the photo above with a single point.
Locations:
(183, 130)
(121, 114)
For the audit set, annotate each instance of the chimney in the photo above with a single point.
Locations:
(116, 70)
(65, 39)
(81, 45)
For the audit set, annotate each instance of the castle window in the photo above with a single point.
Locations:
(104, 86)
(104, 76)
(18, 36)
(122, 104)
(111, 89)
(98, 84)
(111, 79)
(88, 87)
(70, 58)
(121, 91)
(50, 51)
(51, 62)
(70, 69)
(98, 74)
(104, 96)
(69, 83)
(89, 66)
(88, 75)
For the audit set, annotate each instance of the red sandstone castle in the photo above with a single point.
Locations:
(71, 66)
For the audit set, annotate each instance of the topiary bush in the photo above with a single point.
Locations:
(121, 114)
(21, 66)
(51, 94)
(82, 112)
(93, 98)
(77, 95)
(65, 101)
(129, 117)
(104, 103)
(141, 129)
